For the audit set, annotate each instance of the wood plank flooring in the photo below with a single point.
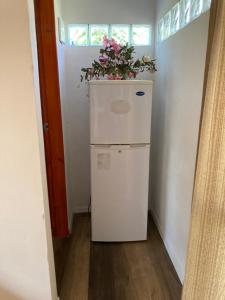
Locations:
(118, 271)
(76, 273)
(61, 250)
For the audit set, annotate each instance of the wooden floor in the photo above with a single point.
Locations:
(116, 271)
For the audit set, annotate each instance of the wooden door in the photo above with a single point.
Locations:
(51, 115)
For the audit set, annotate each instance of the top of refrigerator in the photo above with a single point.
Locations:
(120, 111)
(120, 82)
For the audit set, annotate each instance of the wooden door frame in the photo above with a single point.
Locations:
(51, 115)
(205, 265)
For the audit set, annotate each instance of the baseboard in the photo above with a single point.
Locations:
(169, 248)
(71, 222)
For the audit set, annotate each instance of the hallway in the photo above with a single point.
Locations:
(116, 271)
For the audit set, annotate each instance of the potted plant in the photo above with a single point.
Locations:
(116, 62)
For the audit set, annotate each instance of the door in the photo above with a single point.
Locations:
(51, 115)
(119, 192)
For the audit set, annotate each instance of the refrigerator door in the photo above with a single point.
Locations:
(119, 192)
(120, 111)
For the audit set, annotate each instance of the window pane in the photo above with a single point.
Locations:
(167, 24)
(78, 35)
(206, 5)
(160, 30)
(121, 33)
(175, 18)
(97, 33)
(141, 35)
(184, 12)
(195, 9)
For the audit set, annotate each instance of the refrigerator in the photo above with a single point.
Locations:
(120, 125)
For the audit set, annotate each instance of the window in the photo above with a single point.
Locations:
(161, 30)
(78, 35)
(196, 8)
(92, 34)
(167, 23)
(179, 16)
(184, 12)
(175, 18)
(121, 33)
(97, 32)
(141, 35)
(206, 5)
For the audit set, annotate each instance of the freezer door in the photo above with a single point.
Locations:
(120, 113)
(119, 193)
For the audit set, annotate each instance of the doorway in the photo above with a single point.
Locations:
(160, 129)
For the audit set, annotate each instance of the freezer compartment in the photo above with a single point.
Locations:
(120, 113)
(119, 192)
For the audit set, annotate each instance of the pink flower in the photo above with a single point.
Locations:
(112, 42)
(130, 74)
(118, 77)
(106, 41)
(117, 49)
(103, 60)
(116, 46)
(110, 77)
(114, 77)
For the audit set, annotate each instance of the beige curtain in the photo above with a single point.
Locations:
(205, 268)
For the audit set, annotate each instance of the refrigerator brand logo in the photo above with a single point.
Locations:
(140, 93)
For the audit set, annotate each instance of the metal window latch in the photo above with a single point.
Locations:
(45, 126)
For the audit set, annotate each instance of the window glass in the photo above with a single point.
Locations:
(121, 33)
(166, 26)
(184, 12)
(97, 33)
(180, 15)
(195, 8)
(93, 34)
(175, 18)
(206, 5)
(141, 35)
(78, 35)
(160, 30)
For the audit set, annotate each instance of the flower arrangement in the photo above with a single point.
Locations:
(116, 62)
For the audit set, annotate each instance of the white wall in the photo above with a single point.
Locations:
(26, 268)
(175, 124)
(109, 11)
(76, 106)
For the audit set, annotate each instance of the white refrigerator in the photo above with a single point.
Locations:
(120, 123)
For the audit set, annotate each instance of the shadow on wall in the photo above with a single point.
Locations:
(8, 295)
